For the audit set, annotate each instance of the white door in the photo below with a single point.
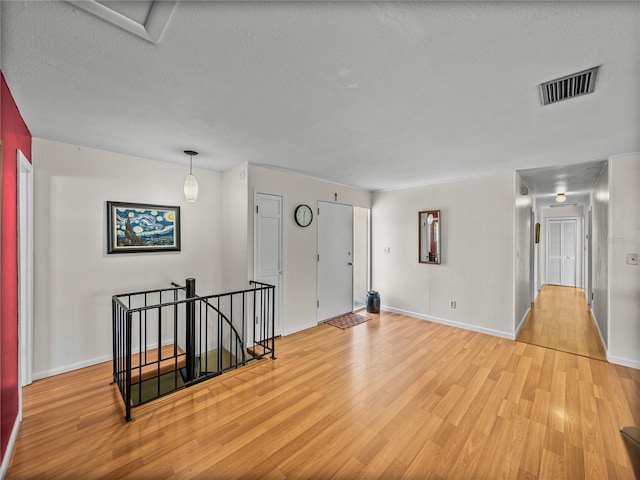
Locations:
(25, 267)
(590, 260)
(335, 260)
(532, 257)
(562, 246)
(268, 248)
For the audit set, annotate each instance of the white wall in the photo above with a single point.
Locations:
(624, 238)
(477, 242)
(300, 265)
(600, 252)
(522, 258)
(537, 270)
(234, 228)
(74, 276)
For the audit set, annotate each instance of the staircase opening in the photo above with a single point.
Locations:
(168, 339)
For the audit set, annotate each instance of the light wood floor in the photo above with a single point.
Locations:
(395, 397)
(560, 319)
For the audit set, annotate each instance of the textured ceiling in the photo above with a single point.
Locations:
(575, 181)
(370, 94)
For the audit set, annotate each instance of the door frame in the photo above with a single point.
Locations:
(25, 269)
(318, 319)
(589, 239)
(280, 320)
(367, 257)
(578, 257)
(532, 257)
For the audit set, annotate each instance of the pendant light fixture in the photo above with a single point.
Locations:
(561, 198)
(190, 182)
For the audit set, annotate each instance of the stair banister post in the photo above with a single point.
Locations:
(191, 329)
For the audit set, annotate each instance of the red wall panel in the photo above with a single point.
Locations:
(15, 136)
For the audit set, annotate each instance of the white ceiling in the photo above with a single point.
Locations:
(575, 181)
(370, 94)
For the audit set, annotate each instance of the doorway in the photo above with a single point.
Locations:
(361, 256)
(269, 249)
(560, 319)
(335, 260)
(532, 256)
(562, 247)
(25, 268)
(589, 258)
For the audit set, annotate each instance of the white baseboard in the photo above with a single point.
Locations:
(8, 453)
(522, 320)
(299, 328)
(595, 320)
(451, 323)
(71, 367)
(90, 362)
(625, 362)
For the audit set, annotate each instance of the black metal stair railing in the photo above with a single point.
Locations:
(168, 339)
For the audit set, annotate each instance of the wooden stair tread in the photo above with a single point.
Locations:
(154, 365)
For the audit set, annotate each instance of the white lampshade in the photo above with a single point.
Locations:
(430, 218)
(190, 188)
(561, 198)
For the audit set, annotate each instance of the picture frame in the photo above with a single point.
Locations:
(142, 227)
(429, 227)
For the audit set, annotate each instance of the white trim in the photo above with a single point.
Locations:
(609, 257)
(159, 14)
(451, 323)
(92, 361)
(299, 328)
(8, 453)
(578, 244)
(520, 325)
(25, 271)
(280, 325)
(595, 320)
(625, 362)
(71, 367)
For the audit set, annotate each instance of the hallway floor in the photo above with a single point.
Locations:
(560, 319)
(394, 397)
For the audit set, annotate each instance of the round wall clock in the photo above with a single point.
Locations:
(303, 215)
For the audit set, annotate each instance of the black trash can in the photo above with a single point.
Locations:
(373, 302)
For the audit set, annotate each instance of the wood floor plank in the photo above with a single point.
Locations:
(395, 397)
(561, 319)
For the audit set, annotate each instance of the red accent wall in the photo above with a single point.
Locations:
(15, 136)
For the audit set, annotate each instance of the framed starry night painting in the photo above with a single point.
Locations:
(141, 227)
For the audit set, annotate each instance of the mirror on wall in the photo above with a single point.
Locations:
(429, 236)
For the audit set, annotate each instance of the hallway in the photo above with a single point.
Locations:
(560, 319)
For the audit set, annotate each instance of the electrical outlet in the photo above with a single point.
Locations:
(632, 259)
(452, 304)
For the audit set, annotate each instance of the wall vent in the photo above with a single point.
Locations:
(558, 205)
(567, 87)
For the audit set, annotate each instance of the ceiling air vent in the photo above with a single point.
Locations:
(569, 86)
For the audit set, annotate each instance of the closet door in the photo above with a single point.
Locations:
(562, 247)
